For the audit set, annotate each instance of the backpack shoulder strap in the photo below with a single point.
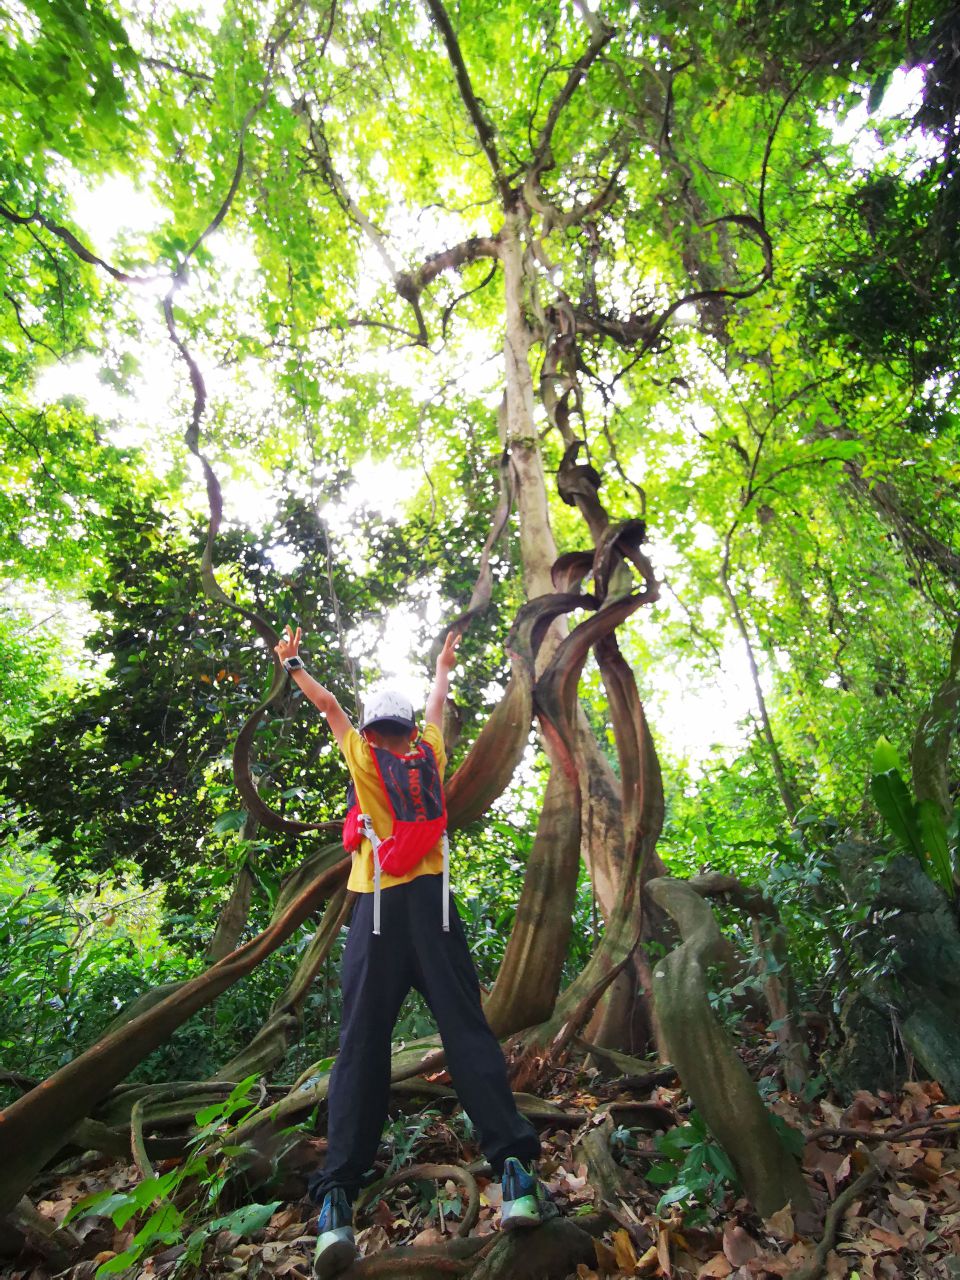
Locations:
(383, 785)
(425, 747)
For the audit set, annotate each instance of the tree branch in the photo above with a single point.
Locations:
(74, 244)
(321, 149)
(410, 284)
(24, 328)
(601, 37)
(484, 129)
(162, 64)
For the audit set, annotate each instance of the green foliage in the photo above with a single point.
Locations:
(176, 1207)
(63, 964)
(695, 1169)
(917, 827)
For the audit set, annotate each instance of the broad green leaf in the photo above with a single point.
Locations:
(899, 809)
(245, 1220)
(934, 835)
(886, 758)
(228, 822)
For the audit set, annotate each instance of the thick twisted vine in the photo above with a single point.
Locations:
(429, 1171)
(706, 1061)
(242, 771)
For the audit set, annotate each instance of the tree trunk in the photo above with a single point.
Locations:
(233, 917)
(602, 844)
(930, 754)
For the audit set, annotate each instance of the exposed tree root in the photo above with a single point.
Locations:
(883, 1135)
(409, 1262)
(538, 1051)
(58, 1246)
(603, 1172)
(621, 1063)
(415, 1172)
(813, 1269)
(552, 1252)
(707, 1063)
(778, 988)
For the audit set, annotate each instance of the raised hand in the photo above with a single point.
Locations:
(289, 644)
(447, 657)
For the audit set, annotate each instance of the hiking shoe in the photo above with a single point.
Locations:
(526, 1201)
(336, 1247)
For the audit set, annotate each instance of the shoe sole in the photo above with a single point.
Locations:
(524, 1212)
(521, 1222)
(334, 1259)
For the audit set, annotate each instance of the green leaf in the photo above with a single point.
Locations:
(101, 1205)
(934, 835)
(228, 822)
(246, 1220)
(885, 757)
(122, 1261)
(898, 807)
(720, 1162)
(163, 1225)
(673, 1196)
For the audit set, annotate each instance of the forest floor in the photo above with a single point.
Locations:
(890, 1165)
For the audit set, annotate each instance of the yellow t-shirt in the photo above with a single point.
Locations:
(359, 756)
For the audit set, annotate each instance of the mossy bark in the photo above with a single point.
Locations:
(909, 945)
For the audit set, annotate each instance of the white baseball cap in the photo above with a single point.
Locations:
(387, 704)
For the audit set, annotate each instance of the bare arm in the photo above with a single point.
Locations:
(446, 661)
(313, 690)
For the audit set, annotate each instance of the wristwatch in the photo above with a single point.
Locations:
(294, 664)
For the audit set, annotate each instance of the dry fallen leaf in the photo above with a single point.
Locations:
(284, 1217)
(832, 1114)
(889, 1238)
(663, 1248)
(738, 1246)
(624, 1251)
(837, 1268)
(371, 1240)
(55, 1210)
(913, 1209)
(718, 1267)
(292, 1264)
(430, 1235)
(780, 1224)
(383, 1215)
(607, 1263)
(827, 1163)
(649, 1260)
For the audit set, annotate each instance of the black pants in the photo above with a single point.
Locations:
(412, 951)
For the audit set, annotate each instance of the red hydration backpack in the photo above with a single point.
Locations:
(414, 795)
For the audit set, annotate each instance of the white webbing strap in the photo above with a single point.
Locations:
(375, 845)
(446, 883)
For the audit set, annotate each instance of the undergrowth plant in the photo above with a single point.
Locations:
(696, 1170)
(178, 1207)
